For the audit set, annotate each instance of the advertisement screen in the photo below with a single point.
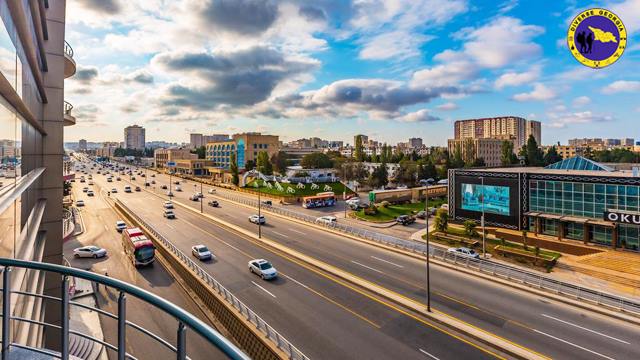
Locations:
(494, 199)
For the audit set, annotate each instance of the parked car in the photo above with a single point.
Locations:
(80, 203)
(90, 251)
(169, 214)
(120, 225)
(177, 182)
(464, 252)
(109, 180)
(201, 252)
(257, 219)
(327, 220)
(153, 175)
(133, 178)
(263, 268)
(405, 220)
(168, 205)
(213, 203)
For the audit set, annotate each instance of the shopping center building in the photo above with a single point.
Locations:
(575, 199)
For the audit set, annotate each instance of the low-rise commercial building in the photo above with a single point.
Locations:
(245, 146)
(162, 156)
(197, 167)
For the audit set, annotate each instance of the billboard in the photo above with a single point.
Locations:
(493, 199)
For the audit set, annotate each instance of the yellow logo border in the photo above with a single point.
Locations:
(622, 42)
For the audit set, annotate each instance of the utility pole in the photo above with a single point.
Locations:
(426, 208)
(484, 250)
(259, 217)
(201, 197)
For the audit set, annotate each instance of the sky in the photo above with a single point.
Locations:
(390, 69)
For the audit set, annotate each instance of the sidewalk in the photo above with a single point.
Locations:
(87, 322)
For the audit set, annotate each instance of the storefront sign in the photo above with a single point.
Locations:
(622, 217)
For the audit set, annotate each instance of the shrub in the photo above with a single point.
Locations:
(470, 228)
(371, 210)
(385, 204)
(441, 221)
(537, 250)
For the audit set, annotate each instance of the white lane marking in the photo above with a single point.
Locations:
(299, 232)
(106, 228)
(584, 328)
(171, 226)
(388, 262)
(265, 290)
(295, 281)
(368, 267)
(572, 344)
(429, 355)
(281, 234)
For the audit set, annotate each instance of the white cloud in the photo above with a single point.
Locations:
(515, 79)
(621, 86)
(395, 45)
(418, 116)
(448, 106)
(539, 93)
(448, 74)
(629, 10)
(561, 120)
(581, 101)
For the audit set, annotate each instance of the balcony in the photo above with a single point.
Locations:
(69, 120)
(122, 291)
(69, 63)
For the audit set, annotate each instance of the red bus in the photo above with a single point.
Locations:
(319, 200)
(138, 247)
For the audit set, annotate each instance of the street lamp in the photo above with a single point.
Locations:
(426, 208)
(484, 250)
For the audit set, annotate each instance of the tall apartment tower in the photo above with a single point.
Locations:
(506, 127)
(134, 137)
(35, 61)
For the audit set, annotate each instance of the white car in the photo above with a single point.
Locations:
(169, 193)
(257, 219)
(212, 191)
(114, 190)
(201, 252)
(90, 251)
(263, 268)
(80, 203)
(327, 220)
(169, 214)
(168, 205)
(178, 188)
(464, 252)
(120, 225)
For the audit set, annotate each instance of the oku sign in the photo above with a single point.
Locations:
(622, 217)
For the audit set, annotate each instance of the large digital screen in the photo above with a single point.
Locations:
(494, 199)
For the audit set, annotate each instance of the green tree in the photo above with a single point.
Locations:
(407, 172)
(359, 151)
(426, 170)
(457, 161)
(552, 156)
(316, 161)
(233, 168)
(441, 221)
(263, 164)
(249, 165)
(469, 152)
(534, 155)
(280, 161)
(379, 177)
(470, 228)
(507, 156)
(479, 162)
(200, 151)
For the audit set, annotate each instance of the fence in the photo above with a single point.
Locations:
(68, 223)
(511, 273)
(275, 337)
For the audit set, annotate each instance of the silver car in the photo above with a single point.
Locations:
(90, 251)
(201, 252)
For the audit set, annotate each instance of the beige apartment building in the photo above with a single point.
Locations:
(246, 147)
(162, 156)
(490, 150)
(134, 137)
(506, 127)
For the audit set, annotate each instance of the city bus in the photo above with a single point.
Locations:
(319, 200)
(138, 247)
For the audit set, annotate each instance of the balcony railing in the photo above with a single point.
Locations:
(68, 118)
(184, 319)
(69, 64)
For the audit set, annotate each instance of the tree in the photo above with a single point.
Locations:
(360, 173)
(359, 151)
(263, 164)
(201, 151)
(316, 161)
(479, 162)
(280, 161)
(407, 172)
(234, 169)
(457, 161)
(379, 177)
(533, 155)
(426, 170)
(507, 157)
(441, 221)
(469, 152)
(249, 165)
(552, 156)
(470, 228)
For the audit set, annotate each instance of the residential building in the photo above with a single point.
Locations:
(246, 146)
(346, 151)
(82, 145)
(392, 168)
(506, 127)
(490, 150)
(34, 61)
(415, 143)
(295, 155)
(160, 144)
(612, 142)
(134, 137)
(576, 199)
(106, 151)
(628, 142)
(363, 138)
(198, 140)
(162, 156)
(566, 151)
(219, 153)
(592, 143)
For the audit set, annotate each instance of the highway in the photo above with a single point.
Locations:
(553, 329)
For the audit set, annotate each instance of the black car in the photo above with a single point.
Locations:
(405, 220)
(267, 202)
(213, 203)
(163, 187)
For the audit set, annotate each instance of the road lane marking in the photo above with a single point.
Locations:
(368, 267)
(281, 234)
(296, 281)
(106, 228)
(584, 328)
(386, 261)
(171, 226)
(297, 231)
(572, 344)
(429, 355)
(263, 289)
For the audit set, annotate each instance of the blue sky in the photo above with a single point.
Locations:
(390, 69)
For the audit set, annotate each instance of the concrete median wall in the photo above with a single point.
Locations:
(252, 342)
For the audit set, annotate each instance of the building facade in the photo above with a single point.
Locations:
(568, 200)
(490, 150)
(415, 143)
(506, 127)
(134, 137)
(245, 146)
(162, 156)
(34, 61)
(82, 145)
(198, 140)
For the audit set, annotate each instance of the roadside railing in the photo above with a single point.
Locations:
(275, 337)
(68, 223)
(492, 268)
(184, 319)
(68, 50)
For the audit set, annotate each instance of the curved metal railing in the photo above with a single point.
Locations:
(185, 319)
(68, 50)
(67, 108)
(68, 223)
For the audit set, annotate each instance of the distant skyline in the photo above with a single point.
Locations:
(390, 69)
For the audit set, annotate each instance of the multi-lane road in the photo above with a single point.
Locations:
(327, 317)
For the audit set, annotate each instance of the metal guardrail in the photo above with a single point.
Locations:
(68, 50)
(185, 319)
(275, 337)
(67, 108)
(480, 265)
(68, 223)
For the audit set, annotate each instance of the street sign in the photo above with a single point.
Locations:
(171, 163)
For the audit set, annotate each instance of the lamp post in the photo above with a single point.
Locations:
(484, 249)
(201, 197)
(426, 208)
(259, 216)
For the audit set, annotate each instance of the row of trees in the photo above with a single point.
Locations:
(121, 152)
